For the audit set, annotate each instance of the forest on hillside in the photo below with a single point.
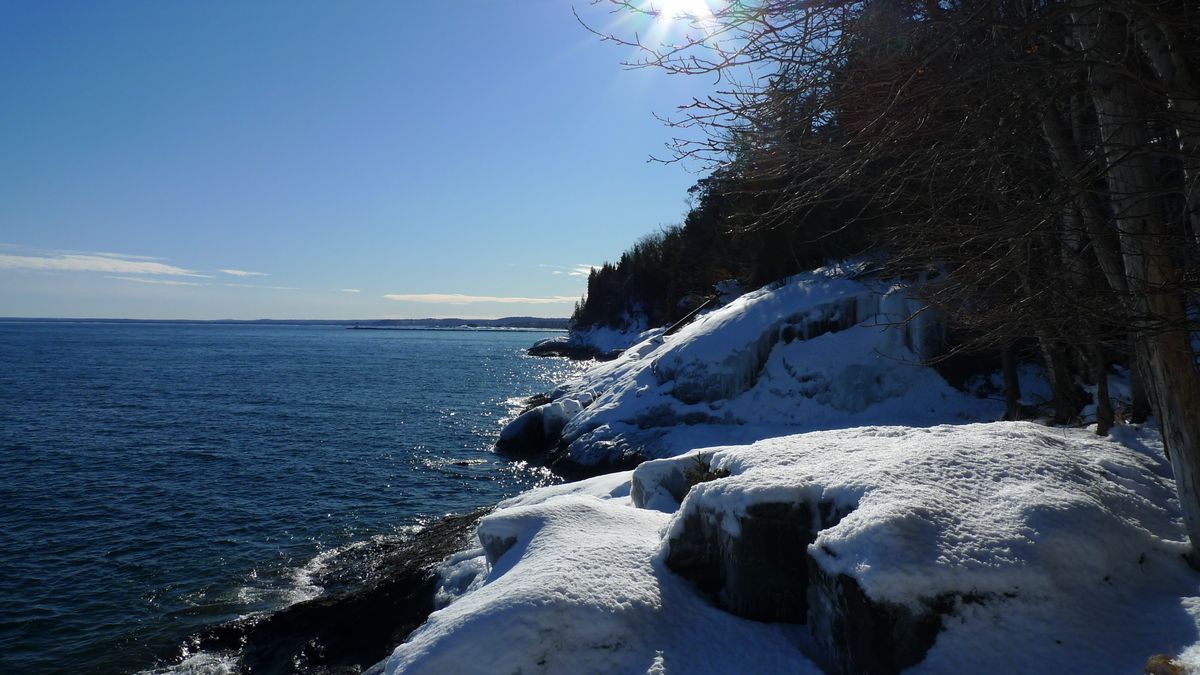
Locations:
(1037, 163)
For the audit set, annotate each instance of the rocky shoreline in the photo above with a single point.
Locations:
(350, 631)
(795, 483)
(807, 489)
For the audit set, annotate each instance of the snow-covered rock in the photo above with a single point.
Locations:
(816, 351)
(578, 590)
(1013, 548)
(900, 526)
(596, 342)
(816, 500)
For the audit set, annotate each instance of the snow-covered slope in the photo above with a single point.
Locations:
(1035, 550)
(821, 350)
(786, 524)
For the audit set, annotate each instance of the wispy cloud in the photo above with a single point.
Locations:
(273, 288)
(162, 282)
(579, 270)
(105, 254)
(93, 263)
(175, 282)
(459, 299)
(351, 290)
(243, 273)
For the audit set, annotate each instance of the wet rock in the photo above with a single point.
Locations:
(525, 435)
(535, 401)
(536, 435)
(350, 631)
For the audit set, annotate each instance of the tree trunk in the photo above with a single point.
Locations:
(1104, 242)
(1139, 405)
(1104, 409)
(1166, 55)
(1012, 383)
(1162, 342)
(1168, 359)
(1062, 387)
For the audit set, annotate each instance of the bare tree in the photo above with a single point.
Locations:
(1042, 157)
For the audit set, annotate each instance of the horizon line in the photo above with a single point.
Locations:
(229, 320)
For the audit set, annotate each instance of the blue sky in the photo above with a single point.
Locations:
(321, 160)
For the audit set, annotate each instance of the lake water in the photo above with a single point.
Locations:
(158, 478)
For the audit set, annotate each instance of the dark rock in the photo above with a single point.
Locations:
(561, 346)
(855, 634)
(559, 461)
(351, 631)
(524, 436)
(494, 547)
(537, 438)
(765, 573)
(760, 574)
(535, 401)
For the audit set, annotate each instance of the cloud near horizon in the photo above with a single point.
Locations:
(89, 262)
(459, 299)
(107, 254)
(243, 273)
(163, 282)
(175, 282)
(272, 288)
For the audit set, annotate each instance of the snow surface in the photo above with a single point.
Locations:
(983, 508)
(1059, 550)
(605, 339)
(581, 591)
(822, 350)
(1072, 541)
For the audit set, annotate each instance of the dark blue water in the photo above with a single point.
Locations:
(155, 479)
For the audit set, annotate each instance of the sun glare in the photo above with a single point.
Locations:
(682, 10)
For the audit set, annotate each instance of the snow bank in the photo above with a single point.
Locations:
(1048, 550)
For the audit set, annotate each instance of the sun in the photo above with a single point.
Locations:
(682, 10)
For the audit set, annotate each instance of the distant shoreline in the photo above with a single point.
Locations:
(506, 323)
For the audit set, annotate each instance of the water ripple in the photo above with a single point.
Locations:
(157, 478)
